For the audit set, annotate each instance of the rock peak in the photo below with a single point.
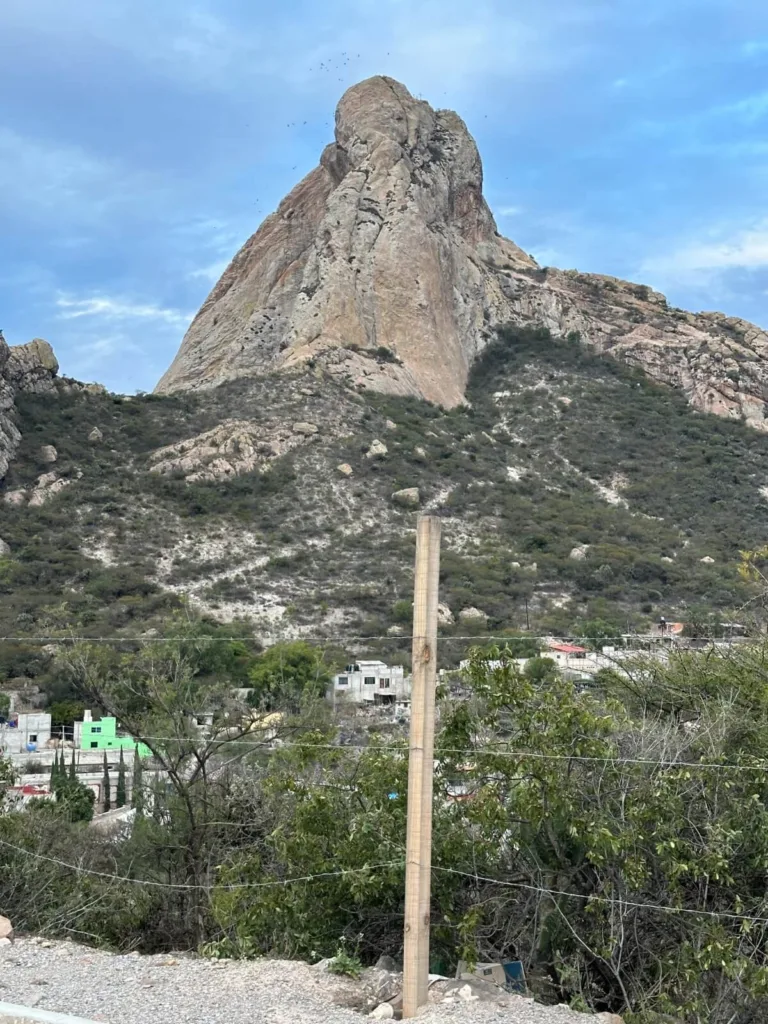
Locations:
(380, 262)
(384, 267)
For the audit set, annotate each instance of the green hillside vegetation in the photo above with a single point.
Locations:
(515, 474)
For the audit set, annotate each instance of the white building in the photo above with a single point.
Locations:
(25, 733)
(371, 682)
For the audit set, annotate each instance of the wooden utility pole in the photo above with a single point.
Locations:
(418, 866)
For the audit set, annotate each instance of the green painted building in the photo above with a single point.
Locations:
(102, 735)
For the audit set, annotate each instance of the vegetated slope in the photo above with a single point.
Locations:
(559, 449)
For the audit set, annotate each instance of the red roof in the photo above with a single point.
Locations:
(568, 648)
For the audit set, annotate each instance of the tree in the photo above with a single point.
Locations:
(105, 785)
(289, 674)
(120, 793)
(5, 704)
(73, 799)
(158, 693)
(137, 785)
(539, 669)
(7, 776)
(598, 633)
(72, 767)
(65, 713)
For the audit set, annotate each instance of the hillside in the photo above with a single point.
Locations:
(556, 449)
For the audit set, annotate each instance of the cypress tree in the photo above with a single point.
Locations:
(54, 771)
(137, 791)
(120, 793)
(72, 772)
(105, 787)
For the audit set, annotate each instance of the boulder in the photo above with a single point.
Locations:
(17, 497)
(46, 487)
(5, 549)
(48, 453)
(95, 435)
(472, 615)
(409, 497)
(707, 560)
(377, 450)
(466, 989)
(384, 1011)
(444, 615)
(579, 553)
(345, 469)
(6, 929)
(420, 453)
(306, 429)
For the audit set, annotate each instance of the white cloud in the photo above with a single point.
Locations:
(744, 248)
(509, 211)
(117, 309)
(43, 175)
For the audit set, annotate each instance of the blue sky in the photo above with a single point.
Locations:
(142, 141)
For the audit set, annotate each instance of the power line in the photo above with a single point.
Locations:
(466, 752)
(594, 898)
(398, 638)
(728, 915)
(78, 869)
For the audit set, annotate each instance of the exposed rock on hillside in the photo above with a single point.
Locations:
(384, 265)
(32, 367)
(234, 447)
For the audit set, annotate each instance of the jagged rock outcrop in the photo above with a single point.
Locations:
(384, 266)
(31, 367)
(9, 434)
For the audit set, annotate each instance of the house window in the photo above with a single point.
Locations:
(343, 681)
(370, 680)
(383, 684)
(94, 745)
(95, 728)
(33, 738)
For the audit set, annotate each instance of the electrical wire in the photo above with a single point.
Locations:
(78, 869)
(590, 898)
(640, 637)
(465, 752)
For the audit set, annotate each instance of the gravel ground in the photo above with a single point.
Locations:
(136, 989)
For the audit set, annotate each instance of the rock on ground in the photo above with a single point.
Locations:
(133, 989)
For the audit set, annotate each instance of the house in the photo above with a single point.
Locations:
(17, 797)
(371, 682)
(102, 735)
(25, 733)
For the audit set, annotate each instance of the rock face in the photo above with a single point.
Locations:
(384, 266)
(386, 253)
(32, 367)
